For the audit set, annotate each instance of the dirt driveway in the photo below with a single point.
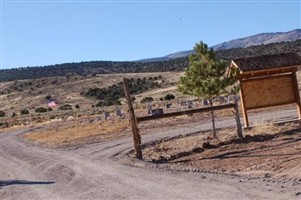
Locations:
(102, 171)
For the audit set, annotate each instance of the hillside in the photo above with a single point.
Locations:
(76, 90)
(108, 67)
(258, 39)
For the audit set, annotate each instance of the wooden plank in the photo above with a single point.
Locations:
(296, 90)
(257, 73)
(184, 112)
(270, 91)
(133, 120)
(243, 106)
(272, 105)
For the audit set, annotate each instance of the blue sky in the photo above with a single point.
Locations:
(37, 33)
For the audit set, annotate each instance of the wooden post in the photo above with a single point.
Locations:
(135, 130)
(297, 95)
(243, 105)
(237, 119)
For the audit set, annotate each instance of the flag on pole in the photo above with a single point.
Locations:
(51, 103)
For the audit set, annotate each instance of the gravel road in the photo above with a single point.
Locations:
(102, 171)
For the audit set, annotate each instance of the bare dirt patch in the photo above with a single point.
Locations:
(268, 150)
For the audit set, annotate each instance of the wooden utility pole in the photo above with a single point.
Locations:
(135, 130)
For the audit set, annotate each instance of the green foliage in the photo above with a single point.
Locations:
(169, 97)
(65, 107)
(147, 100)
(105, 67)
(133, 98)
(108, 102)
(40, 110)
(111, 95)
(24, 112)
(205, 75)
(2, 113)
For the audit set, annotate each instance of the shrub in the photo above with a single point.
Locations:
(108, 102)
(169, 97)
(24, 112)
(2, 113)
(48, 97)
(133, 98)
(49, 109)
(65, 107)
(147, 99)
(14, 114)
(40, 110)
(77, 106)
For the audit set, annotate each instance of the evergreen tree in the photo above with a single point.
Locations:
(205, 77)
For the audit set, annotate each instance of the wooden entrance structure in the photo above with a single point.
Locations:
(135, 120)
(267, 80)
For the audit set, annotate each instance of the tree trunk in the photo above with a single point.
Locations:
(213, 120)
(237, 119)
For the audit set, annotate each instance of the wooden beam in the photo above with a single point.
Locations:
(133, 120)
(243, 107)
(297, 95)
(269, 72)
(184, 112)
(265, 77)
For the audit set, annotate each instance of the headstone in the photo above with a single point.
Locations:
(168, 105)
(206, 102)
(107, 115)
(149, 109)
(158, 111)
(119, 113)
(70, 118)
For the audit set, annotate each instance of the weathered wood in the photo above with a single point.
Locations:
(268, 91)
(258, 73)
(243, 107)
(296, 90)
(184, 112)
(133, 120)
(237, 120)
(267, 80)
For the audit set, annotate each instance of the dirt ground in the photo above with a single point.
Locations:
(268, 150)
(179, 163)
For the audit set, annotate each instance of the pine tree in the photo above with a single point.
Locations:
(205, 77)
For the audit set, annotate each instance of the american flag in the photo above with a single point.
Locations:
(51, 103)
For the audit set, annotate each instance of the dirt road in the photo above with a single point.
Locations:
(101, 171)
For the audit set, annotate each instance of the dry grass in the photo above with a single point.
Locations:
(76, 132)
(66, 91)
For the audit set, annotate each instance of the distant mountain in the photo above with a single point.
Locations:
(176, 55)
(258, 39)
(92, 68)
(263, 38)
